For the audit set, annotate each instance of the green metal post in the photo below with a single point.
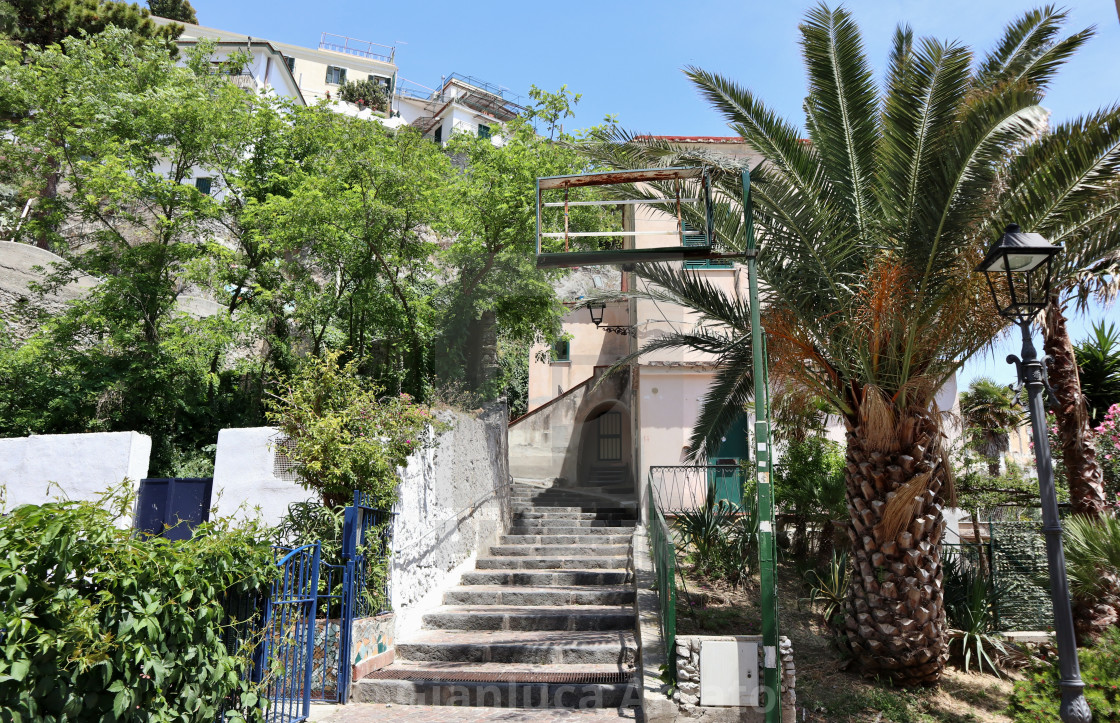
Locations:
(772, 662)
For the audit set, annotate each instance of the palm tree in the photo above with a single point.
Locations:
(869, 234)
(990, 413)
(1098, 364)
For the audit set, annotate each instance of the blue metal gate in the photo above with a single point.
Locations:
(288, 641)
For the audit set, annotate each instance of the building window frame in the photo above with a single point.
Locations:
(562, 351)
(483, 130)
(335, 75)
(204, 184)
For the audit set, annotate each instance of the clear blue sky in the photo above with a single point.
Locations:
(625, 57)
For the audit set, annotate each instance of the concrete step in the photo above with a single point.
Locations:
(570, 530)
(569, 522)
(436, 685)
(533, 646)
(612, 539)
(559, 550)
(534, 596)
(541, 617)
(550, 563)
(541, 578)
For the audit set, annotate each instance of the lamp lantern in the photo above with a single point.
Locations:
(1018, 272)
(596, 310)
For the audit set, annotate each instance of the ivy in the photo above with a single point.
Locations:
(97, 623)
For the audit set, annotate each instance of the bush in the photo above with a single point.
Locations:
(809, 488)
(364, 93)
(97, 623)
(1035, 699)
(342, 435)
(721, 537)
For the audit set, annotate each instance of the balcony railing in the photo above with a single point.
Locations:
(683, 488)
(360, 48)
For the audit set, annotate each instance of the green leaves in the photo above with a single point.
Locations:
(94, 627)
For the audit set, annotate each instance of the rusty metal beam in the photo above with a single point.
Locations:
(611, 177)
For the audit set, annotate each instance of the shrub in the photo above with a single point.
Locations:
(809, 488)
(343, 435)
(970, 607)
(1092, 549)
(1035, 699)
(829, 588)
(98, 623)
(721, 537)
(365, 93)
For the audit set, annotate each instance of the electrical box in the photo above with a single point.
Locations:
(729, 673)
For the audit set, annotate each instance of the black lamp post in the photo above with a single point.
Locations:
(596, 313)
(1022, 261)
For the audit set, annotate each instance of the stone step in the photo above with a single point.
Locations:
(533, 646)
(540, 578)
(545, 513)
(442, 689)
(608, 539)
(542, 617)
(559, 550)
(592, 509)
(578, 531)
(550, 563)
(533, 596)
(570, 522)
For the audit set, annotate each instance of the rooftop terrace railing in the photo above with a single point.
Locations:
(360, 48)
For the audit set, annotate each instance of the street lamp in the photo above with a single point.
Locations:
(1022, 261)
(596, 310)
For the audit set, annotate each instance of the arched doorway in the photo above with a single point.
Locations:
(606, 450)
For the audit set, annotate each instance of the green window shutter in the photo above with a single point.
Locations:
(203, 185)
(483, 131)
(562, 351)
(341, 76)
(291, 62)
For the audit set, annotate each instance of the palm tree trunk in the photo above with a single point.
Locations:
(895, 614)
(1086, 479)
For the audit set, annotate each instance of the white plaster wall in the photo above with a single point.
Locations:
(81, 466)
(244, 483)
(454, 503)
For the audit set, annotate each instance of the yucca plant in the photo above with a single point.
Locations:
(971, 601)
(829, 589)
(869, 233)
(705, 530)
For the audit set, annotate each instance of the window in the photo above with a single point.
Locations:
(483, 131)
(610, 437)
(335, 75)
(291, 62)
(561, 351)
(203, 185)
(439, 134)
(693, 237)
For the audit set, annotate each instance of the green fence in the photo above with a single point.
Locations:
(665, 565)
(684, 488)
(1016, 553)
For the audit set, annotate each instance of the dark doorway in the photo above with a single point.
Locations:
(173, 507)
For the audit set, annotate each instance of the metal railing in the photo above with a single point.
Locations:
(360, 48)
(683, 488)
(665, 567)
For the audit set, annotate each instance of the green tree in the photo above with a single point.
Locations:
(47, 22)
(1098, 365)
(869, 234)
(135, 127)
(179, 10)
(990, 413)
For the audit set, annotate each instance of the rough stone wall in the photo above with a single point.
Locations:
(454, 502)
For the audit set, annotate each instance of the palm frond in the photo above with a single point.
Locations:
(726, 398)
(844, 104)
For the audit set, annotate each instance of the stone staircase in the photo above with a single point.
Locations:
(546, 619)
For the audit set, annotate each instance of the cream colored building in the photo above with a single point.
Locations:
(318, 72)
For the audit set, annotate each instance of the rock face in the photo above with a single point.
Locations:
(22, 267)
(546, 619)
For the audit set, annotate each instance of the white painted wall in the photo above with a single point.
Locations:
(81, 466)
(244, 483)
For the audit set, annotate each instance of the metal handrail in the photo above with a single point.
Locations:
(357, 49)
(683, 488)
